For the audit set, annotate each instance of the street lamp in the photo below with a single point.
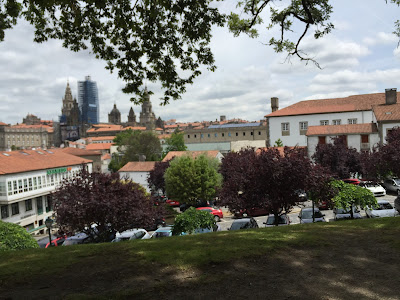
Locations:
(49, 223)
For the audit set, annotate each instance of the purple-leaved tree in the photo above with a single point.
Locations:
(111, 203)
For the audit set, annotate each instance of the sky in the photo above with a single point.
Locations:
(359, 56)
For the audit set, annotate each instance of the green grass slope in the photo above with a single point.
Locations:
(178, 267)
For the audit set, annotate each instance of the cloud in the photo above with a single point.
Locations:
(381, 38)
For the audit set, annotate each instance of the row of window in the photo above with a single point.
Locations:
(304, 125)
(15, 207)
(364, 139)
(222, 134)
(19, 186)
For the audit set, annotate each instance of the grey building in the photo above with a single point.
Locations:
(88, 99)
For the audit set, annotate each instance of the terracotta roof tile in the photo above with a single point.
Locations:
(135, 128)
(193, 154)
(99, 146)
(342, 129)
(164, 136)
(138, 166)
(106, 156)
(32, 160)
(3, 124)
(101, 138)
(350, 103)
(387, 112)
(79, 152)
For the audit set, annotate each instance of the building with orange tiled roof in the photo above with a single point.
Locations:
(137, 171)
(330, 117)
(103, 147)
(27, 178)
(23, 136)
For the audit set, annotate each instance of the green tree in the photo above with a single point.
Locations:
(15, 237)
(135, 145)
(175, 143)
(142, 143)
(188, 180)
(278, 143)
(191, 220)
(350, 195)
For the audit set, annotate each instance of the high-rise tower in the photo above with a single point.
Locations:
(147, 117)
(88, 99)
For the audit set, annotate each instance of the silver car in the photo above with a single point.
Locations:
(392, 185)
(383, 209)
(306, 215)
(344, 213)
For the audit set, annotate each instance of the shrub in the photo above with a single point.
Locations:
(191, 220)
(15, 237)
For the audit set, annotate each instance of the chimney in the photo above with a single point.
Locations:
(222, 118)
(274, 103)
(391, 96)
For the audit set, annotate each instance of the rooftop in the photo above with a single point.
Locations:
(79, 152)
(99, 146)
(387, 112)
(138, 166)
(350, 103)
(32, 160)
(342, 129)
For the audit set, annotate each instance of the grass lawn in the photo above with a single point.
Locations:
(336, 260)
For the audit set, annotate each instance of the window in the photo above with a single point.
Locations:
(15, 187)
(208, 135)
(25, 185)
(321, 140)
(39, 182)
(4, 211)
(237, 134)
(195, 136)
(39, 205)
(34, 183)
(352, 121)
(303, 125)
(285, 129)
(324, 122)
(229, 134)
(188, 136)
(15, 209)
(28, 205)
(9, 188)
(364, 138)
(252, 133)
(48, 204)
(30, 184)
(20, 186)
(223, 134)
(3, 189)
(215, 135)
(244, 133)
(259, 133)
(201, 135)
(336, 122)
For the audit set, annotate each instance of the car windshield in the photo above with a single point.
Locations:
(397, 180)
(307, 214)
(382, 206)
(370, 184)
(161, 234)
(345, 210)
(271, 219)
(240, 225)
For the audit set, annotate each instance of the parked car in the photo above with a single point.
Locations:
(252, 212)
(392, 185)
(55, 241)
(352, 181)
(383, 209)
(324, 205)
(306, 215)
(185, 206)
(173, 203)
(131, 234)
(216, 212)
(375, 188)
(344, 213)
(79, 238)
(162, 232)
(283, 220)
(244, 223)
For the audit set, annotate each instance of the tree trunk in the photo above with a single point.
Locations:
(313, 213)
(351, 211)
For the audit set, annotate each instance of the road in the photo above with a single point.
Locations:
(226, 222)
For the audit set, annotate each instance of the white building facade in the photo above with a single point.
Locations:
(138, 172)
(27, 178)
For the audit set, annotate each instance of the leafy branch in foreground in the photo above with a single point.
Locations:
(157, 40)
